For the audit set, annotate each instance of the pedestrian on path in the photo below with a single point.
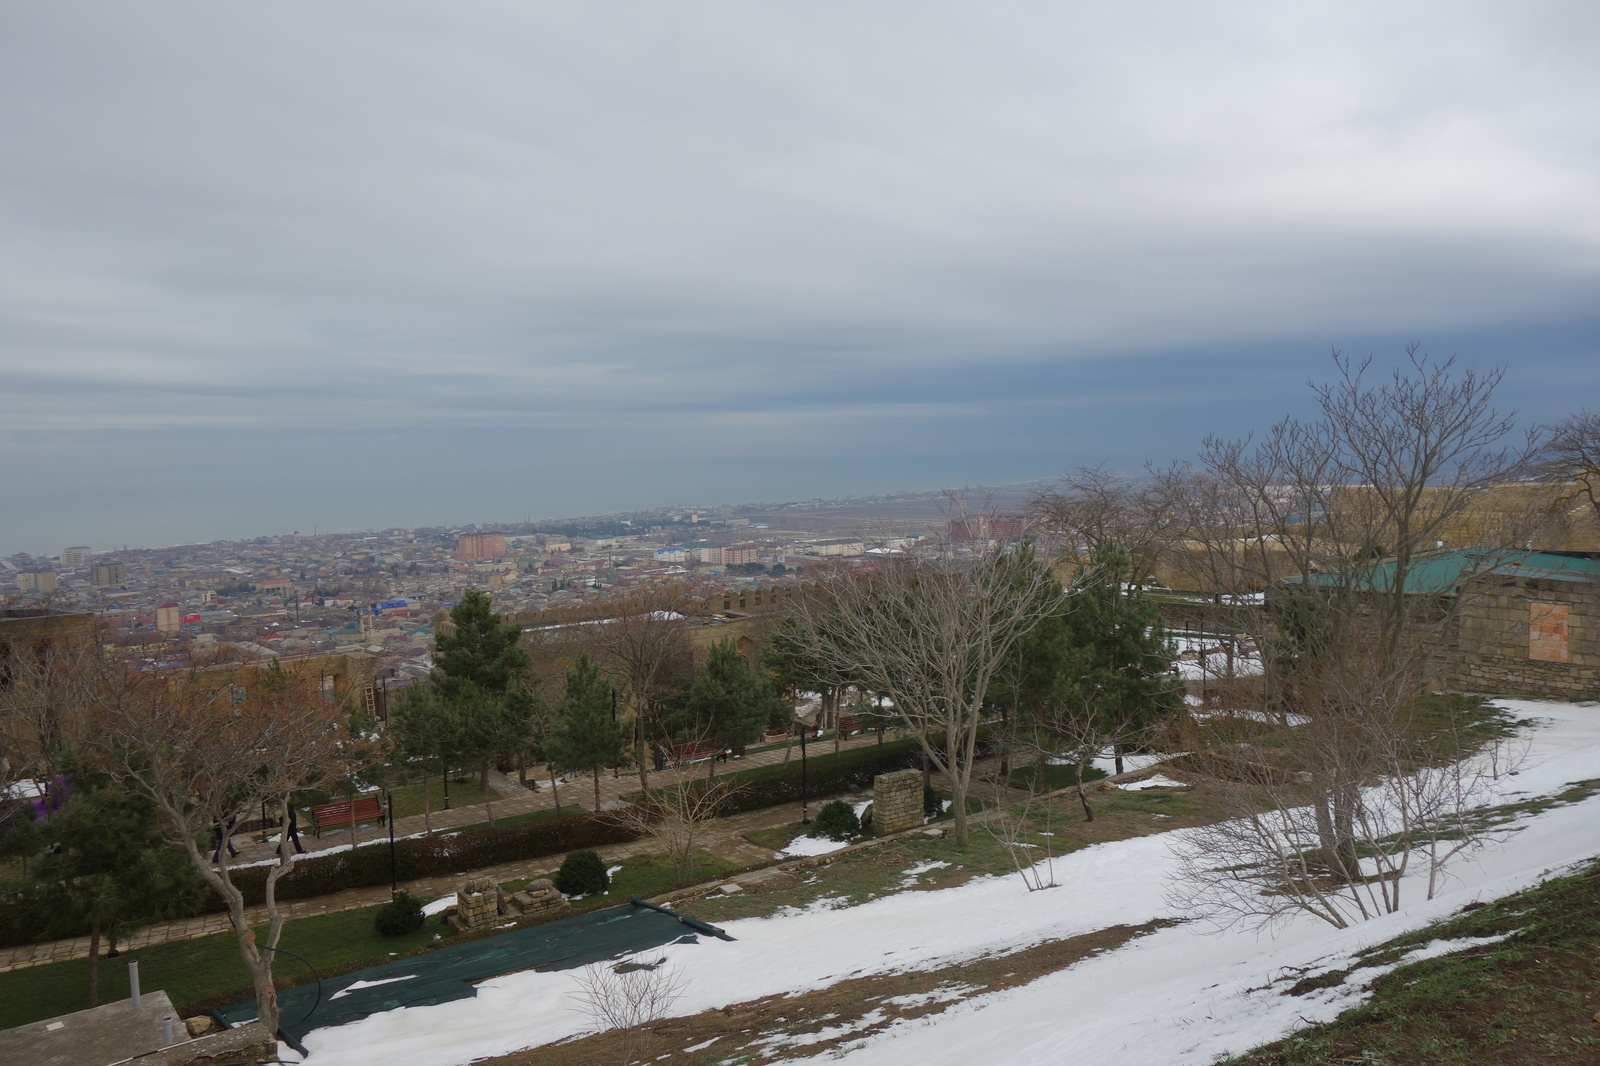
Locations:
(219, 835)
(294, 829)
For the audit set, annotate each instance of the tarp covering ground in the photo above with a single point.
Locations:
(451, 972)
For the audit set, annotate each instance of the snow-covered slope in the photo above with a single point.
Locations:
(1180, 995)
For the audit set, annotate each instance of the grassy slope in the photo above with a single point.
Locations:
(1533, 998)
(207, 970)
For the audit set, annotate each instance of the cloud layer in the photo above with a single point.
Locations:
(621, 233)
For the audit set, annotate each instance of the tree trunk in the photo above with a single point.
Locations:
(1039, 771)
(554, 791)
(597, 788)
(353, 799)
(483, 776)
(446, 778)
(639, 747)
(788, 743)
(1083, 794)
(488, 802)
(427, 808)
(94, 963)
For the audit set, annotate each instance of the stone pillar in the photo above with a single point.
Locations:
(477, 904)
(897, 801)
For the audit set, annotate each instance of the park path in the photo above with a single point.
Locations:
(723, 837)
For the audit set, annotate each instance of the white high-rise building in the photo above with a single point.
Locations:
(75, 556)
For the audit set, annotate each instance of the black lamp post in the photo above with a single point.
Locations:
(805, 817)
(394, 879)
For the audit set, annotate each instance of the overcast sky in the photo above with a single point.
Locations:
(267, 267)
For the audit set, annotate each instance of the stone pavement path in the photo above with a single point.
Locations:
(723, 838)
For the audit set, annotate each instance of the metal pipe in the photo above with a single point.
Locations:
(166, 1031)
(133, 981)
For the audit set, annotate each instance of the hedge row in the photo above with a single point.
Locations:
(27, 910)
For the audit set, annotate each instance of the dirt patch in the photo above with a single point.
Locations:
(765, 1030)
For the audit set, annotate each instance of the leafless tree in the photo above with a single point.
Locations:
(1572, 453)
(1331, 517)
(676, 814)
(1011, 823)
(1093, 508)
(625, 997)
(642, 641)
(931, 630)
(204, 744)
(45, 688)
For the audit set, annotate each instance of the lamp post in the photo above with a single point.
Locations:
(805, 817)
(394, 879)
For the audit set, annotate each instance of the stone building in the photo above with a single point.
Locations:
(1530, 628)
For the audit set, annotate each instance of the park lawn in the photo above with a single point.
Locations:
(1055, 777)
(464, 792)
(205, 967)
(777, 837)
(206, 972)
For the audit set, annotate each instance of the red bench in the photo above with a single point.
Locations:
(343, 812)
(848, 725)
(696, 752)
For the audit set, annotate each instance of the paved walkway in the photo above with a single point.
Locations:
(724, 838)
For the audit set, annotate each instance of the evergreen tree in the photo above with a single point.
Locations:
(730, 704)
(115, 873)
(428, 736)
(478, 659)
(1106, 649)
(587, 740)
(479, 647)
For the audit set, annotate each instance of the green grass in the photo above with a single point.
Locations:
(567, 811)
(1531, 998)
(202, 968)
(464, 792)
(777, 837)
(207, 970)
(1055, 777)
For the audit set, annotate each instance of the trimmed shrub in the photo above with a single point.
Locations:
(836, 821)
(583, 873)
(399, 916)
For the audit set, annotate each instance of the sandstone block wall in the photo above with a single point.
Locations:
(897, 801)
(1489, 652)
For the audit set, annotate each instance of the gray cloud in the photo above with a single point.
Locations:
(771, 221)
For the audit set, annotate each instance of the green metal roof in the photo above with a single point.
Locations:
(1441, 573)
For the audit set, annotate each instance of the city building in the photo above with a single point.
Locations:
(76, 556)
(108, 575)
(37, 581)
(471, 546)
(169, 617)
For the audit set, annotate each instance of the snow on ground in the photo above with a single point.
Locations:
(800, 846)
(1153, 781)
(440, 905)
(1184, 994)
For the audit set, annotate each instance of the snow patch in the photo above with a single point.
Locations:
(356, 986)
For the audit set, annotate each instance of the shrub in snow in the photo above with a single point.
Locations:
(836, 821)
(932, 803)
(399, 916)
(583, 873)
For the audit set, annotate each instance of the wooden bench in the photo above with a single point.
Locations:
(848, 725)
(342, 813)
(696, 752)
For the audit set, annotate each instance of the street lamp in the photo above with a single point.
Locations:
(805, 817)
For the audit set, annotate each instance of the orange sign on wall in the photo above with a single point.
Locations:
(1547, 632)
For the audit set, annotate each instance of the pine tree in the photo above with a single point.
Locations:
(730, 704)
(479, 647)
(428, 735)
(587, 739)
(115, 872)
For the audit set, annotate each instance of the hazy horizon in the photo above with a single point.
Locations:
(387, 264)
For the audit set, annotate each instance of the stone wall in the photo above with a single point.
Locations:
(1491, 651)
(477, 903)
(897, 801)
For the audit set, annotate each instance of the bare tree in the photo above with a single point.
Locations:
(643, 642)
(45, 687)
(1572, 452)
(625, 997)
(676, 814)
(1092, 509)
(203, 745)
(1331, 518)
(931, 630)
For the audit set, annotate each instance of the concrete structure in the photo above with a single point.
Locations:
(37, 581)
(473, 546)
(99, 1036)
(840, 546)
(897, 801)
(1533, 633)
(75, 556)
(108, 575)
(169, 617)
